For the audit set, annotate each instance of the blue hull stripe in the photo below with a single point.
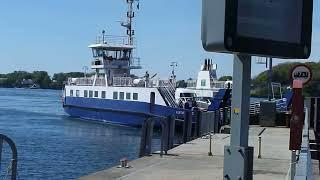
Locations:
(130, 113)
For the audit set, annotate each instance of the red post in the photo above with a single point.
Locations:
(297, 118)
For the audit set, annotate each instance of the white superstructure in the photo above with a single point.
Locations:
(205, 86)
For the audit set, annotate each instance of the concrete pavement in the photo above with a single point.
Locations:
(191, 161)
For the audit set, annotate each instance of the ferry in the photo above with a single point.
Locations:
(114, 94)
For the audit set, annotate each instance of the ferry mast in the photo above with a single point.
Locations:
(130, 16)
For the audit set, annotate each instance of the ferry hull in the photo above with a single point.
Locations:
(105, 116)
(129, 113)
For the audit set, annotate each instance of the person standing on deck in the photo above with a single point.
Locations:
(147, 76)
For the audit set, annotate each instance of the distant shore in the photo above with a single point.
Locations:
(29, 88)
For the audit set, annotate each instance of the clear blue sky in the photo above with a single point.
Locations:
(54, 35)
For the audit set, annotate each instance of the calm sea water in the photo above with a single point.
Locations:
(52, 145)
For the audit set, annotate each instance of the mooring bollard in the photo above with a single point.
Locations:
(259, 154)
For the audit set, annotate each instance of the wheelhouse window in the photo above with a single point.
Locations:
(135, 96)
(103, 94)
(90, 94)
(115, 95)
(203, 82)
(85, 93)
(99, 53)
(121, 95)
(96, 94)
(71, 93)
(128, 96)
(77, 93)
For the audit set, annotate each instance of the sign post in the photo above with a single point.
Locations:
(238, 157)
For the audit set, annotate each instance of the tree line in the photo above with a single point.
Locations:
(281, 74)
(20, 79)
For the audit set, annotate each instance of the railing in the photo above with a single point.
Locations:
(100, 82)
(254, 108)
(191, 83)
(80, 81)
(195, 124)
(304, 164)
(207, 122)
(14, 160)
(214, 84)
(86, 81)
(122, 81)
(135, 62)
(113, 40)
(218, 84)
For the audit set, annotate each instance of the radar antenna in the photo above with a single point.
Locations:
(130, 16)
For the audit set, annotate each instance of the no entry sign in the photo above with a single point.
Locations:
(301, 72)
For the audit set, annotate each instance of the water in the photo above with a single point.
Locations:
(52, 145)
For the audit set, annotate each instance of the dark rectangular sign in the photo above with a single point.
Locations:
(270, 20)
(280, 28)
(276, 28)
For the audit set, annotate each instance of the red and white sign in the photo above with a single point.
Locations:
(301, 72)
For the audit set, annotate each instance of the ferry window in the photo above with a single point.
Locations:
(103, 94)
(128, 95)
(115, 95)
(187, 95)
(97, 63)
(203, 82)
(71, 92)
(77, 93)
(85, 93)
(96, 94)
(91, 94)
(121, 95)
(135, 96)
(97, 53)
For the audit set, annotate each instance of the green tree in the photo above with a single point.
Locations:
(60, 78)
(42, 78)
(225, 78)
(281, 74)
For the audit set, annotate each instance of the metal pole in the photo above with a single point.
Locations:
(210, 147)
(269, 79)
(241, 100)
(259, 155)
(210, 130)
(238, 151)
(85, 69)
(293, 164)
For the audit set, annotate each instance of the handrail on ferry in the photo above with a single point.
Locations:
(114, 40)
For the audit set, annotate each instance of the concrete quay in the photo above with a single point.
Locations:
(190, 161)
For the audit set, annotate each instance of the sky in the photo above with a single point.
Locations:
(54, 35)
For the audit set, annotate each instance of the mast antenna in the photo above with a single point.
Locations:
(173, 65)
(130, 16)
